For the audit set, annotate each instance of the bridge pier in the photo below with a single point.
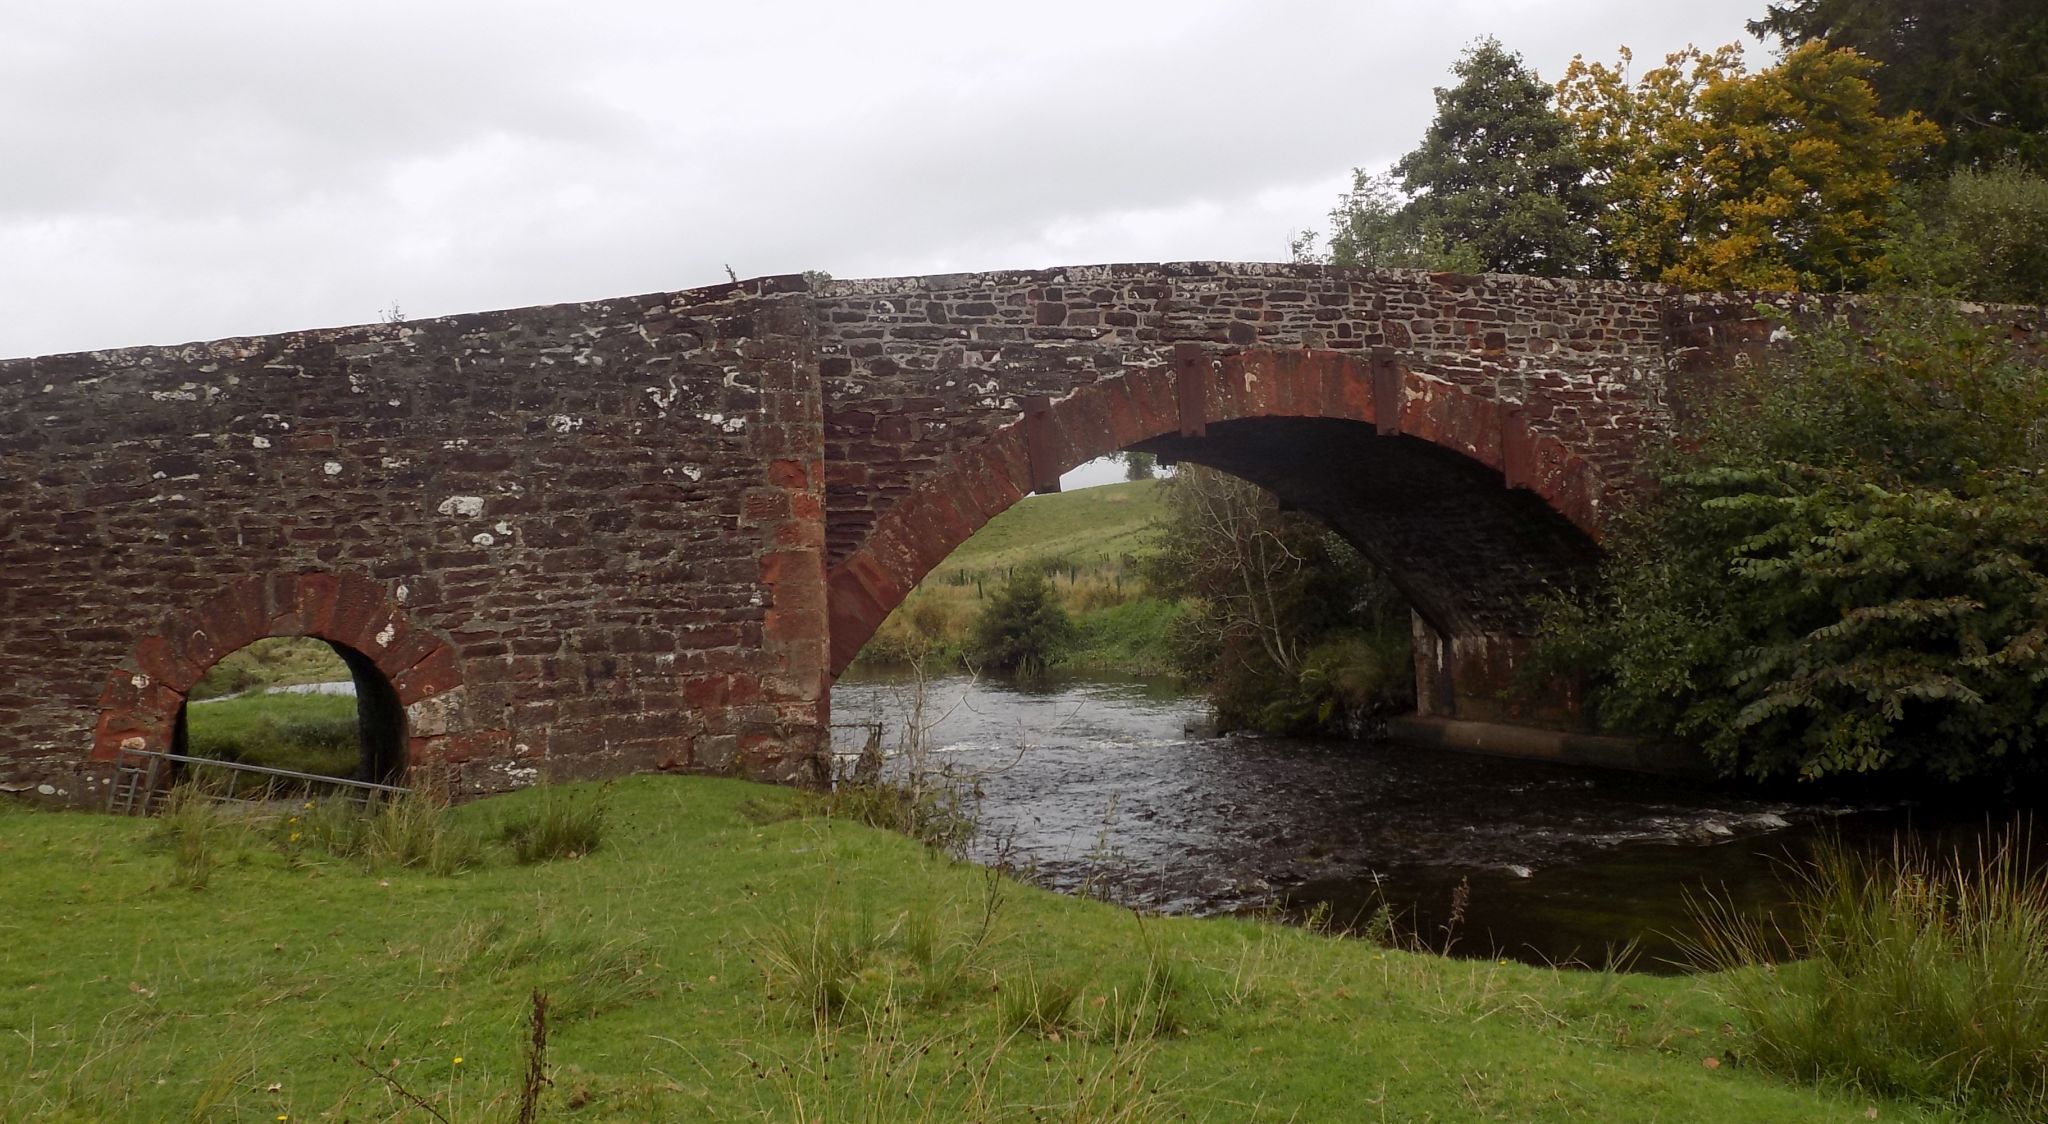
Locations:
(1474, 677)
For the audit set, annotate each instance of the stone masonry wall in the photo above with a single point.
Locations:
(918, 368)
(582, 539)
(599, 538)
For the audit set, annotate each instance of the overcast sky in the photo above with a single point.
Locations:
(187, 171)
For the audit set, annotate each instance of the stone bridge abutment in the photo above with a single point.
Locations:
(646, 533)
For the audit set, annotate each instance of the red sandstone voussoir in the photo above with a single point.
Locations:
(437, 672)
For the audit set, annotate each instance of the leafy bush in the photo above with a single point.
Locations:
(1982, 235)
(1288, 627)
(1915, 977)
(1847, 570)
(1022, 629)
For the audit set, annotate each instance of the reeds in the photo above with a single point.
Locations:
(1911, 974)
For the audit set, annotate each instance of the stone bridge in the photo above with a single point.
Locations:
(646, 533)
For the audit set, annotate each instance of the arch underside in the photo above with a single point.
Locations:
(1471, 555)
(1469, 510)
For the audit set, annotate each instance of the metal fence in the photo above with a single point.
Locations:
(142, 778)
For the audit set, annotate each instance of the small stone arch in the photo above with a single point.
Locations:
(416, 671)
(1199, 388)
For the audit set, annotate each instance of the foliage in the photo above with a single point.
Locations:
(1973, 67)
(1981, 235)
(415, 831)
(1276, 606)
(1720, 179)
(1022, 629)
(1372, 227)
(1917, 977)
(135, 1000)
(1098, 534)
(1848, 569)
(272, 662)
(1499, 173)
(1139, 465)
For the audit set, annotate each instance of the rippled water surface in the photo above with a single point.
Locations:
(1101, 785)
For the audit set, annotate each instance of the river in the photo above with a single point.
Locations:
(1100, 786)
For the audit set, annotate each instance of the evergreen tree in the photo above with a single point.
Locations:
(1974, 67)
(1022, 629)
(1500, 173)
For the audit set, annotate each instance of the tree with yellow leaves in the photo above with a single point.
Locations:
(1716, 178)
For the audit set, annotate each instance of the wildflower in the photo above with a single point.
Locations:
(458, 1059)
(295, 837)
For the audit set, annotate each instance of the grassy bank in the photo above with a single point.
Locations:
(724, 956)
(1093, 539)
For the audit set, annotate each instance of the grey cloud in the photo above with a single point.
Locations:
(183, 171)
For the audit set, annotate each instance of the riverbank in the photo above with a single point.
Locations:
(1089, 543)
(675, 960)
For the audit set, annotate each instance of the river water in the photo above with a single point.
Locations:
(1101, 786)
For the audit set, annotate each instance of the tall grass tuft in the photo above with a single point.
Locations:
(816, 960)
(194, 830)
(1916, 975)
(565, 826)
(414, 830)
(1041, 1005)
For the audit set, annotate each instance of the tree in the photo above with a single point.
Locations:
(1289, 629)
(1973, 67)
(1139, 465)
(1981, 235)
(1847, 571)
(1373, 227)
(1499, 172)
(1022, 629)
(1720, 179)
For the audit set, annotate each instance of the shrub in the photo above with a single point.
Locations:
(1022, 629)
(1917, 977)
(1274, 603)
(1847, 571)
(1982, 235)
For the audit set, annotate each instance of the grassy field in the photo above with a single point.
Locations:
(724, 956)
(308, 733)
(1094, 536)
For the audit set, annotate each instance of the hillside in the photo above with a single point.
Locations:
(1092, 536)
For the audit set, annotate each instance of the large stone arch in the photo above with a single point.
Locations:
(143, 698)
(1177, 410)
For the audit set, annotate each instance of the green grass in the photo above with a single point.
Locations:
(685, 960)
(1132, 636)
(307, 733)
(1090, 525)
(1920, 976)
(1096, 534)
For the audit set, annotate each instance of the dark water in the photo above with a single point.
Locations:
(1098, 786)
